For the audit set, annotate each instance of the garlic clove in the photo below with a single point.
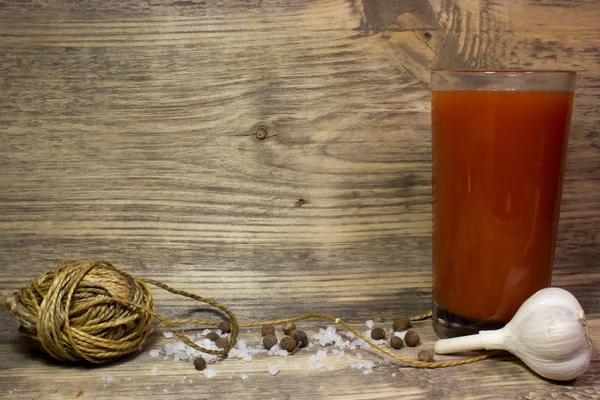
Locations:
(548, 333)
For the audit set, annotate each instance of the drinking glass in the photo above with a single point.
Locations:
(499, 148)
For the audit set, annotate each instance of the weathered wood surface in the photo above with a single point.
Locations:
(127, 133)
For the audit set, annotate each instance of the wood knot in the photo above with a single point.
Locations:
(261, 134)
(300, 203)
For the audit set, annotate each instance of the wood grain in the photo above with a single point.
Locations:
(127, 132)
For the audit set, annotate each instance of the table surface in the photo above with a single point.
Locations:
(128, 133)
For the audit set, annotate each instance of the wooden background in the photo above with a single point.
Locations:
(127, 132)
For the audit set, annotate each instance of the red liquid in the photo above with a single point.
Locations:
(498, 162)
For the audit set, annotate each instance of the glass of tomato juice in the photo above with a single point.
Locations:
(499, 146)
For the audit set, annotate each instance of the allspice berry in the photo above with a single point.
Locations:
(289, 328)
(412, 339)
(199, 363)
(287, 343)
(377, 334)
(267, 330)
(222, 342)
(426, 355)
(402, 324)
(224, 327)
(301, 338)
(212, 336)
(269, 340)
(396, 342)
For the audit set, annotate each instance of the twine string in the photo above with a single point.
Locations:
(95, 312)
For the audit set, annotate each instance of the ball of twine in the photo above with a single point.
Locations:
(85, 311)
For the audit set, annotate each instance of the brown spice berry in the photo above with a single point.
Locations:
(267, 330)
(301, 338)
(412, 338)
(426, 355)
(402, 324)
(199, 363)
(377, 334)
(224, 327)
(289, 327)
(222, 342)
(212, 336)
(396, 342)
(287, 343)
(269, 341)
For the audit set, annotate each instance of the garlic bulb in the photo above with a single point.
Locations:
(548, 333)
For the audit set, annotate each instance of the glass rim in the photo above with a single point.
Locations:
(467, 71)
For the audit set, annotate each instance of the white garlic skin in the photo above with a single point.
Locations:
(549, 334)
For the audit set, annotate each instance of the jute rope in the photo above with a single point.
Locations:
(95, 312)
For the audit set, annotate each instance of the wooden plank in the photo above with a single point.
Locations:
(127, 132)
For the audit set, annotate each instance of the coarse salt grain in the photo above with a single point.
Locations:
(366, 365)
(316, 366)
(154, 353)
(168, 334)
(210, 373)
(243, 376)
(154, 370)
(393, 374)
(273, 370)
(370, 324)
(400, 334)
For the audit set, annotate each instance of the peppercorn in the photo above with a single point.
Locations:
(267, 330)
(222, 342)
(412, 338)
(213, 336)
(425, 355)
(301, 338)
(288, 343)
(396, 342)
(288, 328)
(402, 324)
(269, 341)
(377, 334)
(199, 363)
(224, 327)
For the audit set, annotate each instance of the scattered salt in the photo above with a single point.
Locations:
(322, 353)
(168, 334)
(154, 352)
(400, 334)
(370, 324)
(393, 374)
(154, 370)
(244, 377)
(210, 373)
(109, 379)
(366, 365)
(273, 370)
